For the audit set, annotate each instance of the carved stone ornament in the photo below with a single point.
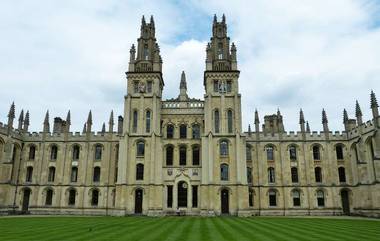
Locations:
(141, 87)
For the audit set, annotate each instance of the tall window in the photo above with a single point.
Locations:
(32, 152)
(294, 173)
(342, 174)
(170, 196)
(169, 131)
(272, 198)
(72, 194)
(224, 172)
(139, 171)
(146, 52)
(53, 153)
(339, 152)
(134, 121)
(229, 121)
(136, 87)
(96, 177)
(49, 197)
(182, 156)
(29, 174)
(271, 175)
(296, 198)
(220, 50)
(140, 149)
(149, 86)
(147, 121)
(98, 152)
(216, 121)
(74, 174)
(250, 197)
(196, 155)
(270, 153)
(229, 86)
(249, 175)
(169, 155)
(320, 198)
(95, 197)
(183, 131)
(223, 148)
(194, 190)
(76, 152)
(316, 153)
(293, 153)
(248, 150)
(196, 131)
(51, 175)
(216, 86)
(318, 174)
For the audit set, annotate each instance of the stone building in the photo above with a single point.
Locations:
(189, 156)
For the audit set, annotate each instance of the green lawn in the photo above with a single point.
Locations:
(187, 228)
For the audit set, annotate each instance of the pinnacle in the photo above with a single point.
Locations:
(358, 111)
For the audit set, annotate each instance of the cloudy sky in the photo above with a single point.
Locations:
(293, 54)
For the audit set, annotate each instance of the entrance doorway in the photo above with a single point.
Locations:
(182, 194)
(344, 194)
(224, 201)
(25, 200)
(138, 201)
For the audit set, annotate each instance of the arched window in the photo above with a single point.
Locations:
(169, 131)
(316, 153)
(51, 175)
(229, 121)
(250, 197)
(95, 197)
(216, 121)
(271, 175)
(139, 171)
(296, 198)
(196, 131)
(74, 174)
(32, 152)
(146, 52)
(134, 121)
(53, 153)
(342, 174)
(339, 152)
(294, 173)
(169, 155)
(72, 195)
(224, 172)
(248, 150)
(147, 121)
(320, 198)
(98, 152)
(293, 153)
(49, 197)
(182, 156)
(270, 153)
(140, 152)
(318, 174)
(29, 174)
(183, 131)
(223, 148)
(272, 198)
(249, 175)
(220, 50)
(196, 155)
(96, 177)
(76, 152)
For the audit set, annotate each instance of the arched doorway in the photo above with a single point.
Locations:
(182, 194)
(344, 194)
(138, 201)
(224, 201)
(25, 200)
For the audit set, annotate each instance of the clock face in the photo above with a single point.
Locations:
(142, 87)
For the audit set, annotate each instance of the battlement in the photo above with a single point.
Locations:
(172, 104)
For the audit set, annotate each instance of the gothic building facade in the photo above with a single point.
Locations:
(189, 156)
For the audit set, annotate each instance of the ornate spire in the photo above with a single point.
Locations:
(11, 113)
(46, 122)
(223, 18)
(345, 116)
(183, 84)
(89, 118)
(373, 100)
(132, 53)
(111, 122)
(307, 127)
(21, 120)
(84, 128)
(143, 23)
(104, 128)
(215, 19)
(324, 117)
(183, 88)
(257, 120)
(26, 121)
(358, 113)
(249, 130)
(152, 21)
(302, 118)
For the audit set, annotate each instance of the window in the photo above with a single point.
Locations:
(293, 153)
(229, 86)
(53, 153)
(320, 198)
(342, 174)
(169, 155)
(249, 175)
(136, 87)
(248, 150)
(170, 196)
(318, 174)
(196, 155)
(296, 198)
(51, 175)
(294, 173)
(224, 172)
(146, 52)
(250, 197)
(98, 152)
(139, 171)
(76, 152)
(196, 131)
(195, 196)
(72, 194)
(95, 197)
(32, 152)
(229, 121)
(169, 131)
(220, 51)
(272, 198)
(140, 148)
(149, 87)
(216, 86)
(134, 121)
(271, 175)
(182, 156)
(74, 174)
(339, 152)
(96, 177)
(316, 153)
(147, 121)
(49, 197)
(270, 153)
(223, 148)
(216, 121)
(183, 131)
(29, 174)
